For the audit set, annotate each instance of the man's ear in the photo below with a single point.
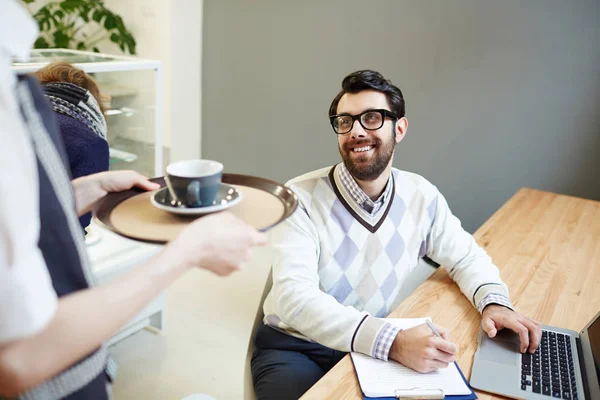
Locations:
(400, 129)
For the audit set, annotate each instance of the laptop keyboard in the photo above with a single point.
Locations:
(550, 371)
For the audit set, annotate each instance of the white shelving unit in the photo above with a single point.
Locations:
(135, 109)
(111, 257)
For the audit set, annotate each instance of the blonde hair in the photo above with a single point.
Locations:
(65, 72)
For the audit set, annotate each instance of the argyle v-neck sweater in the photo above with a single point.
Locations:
(337, 270)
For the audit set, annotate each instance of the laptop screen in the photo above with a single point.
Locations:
(594, 335)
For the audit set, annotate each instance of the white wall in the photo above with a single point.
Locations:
(186, 78)
(170, 31)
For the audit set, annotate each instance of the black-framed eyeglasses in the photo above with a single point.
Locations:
(370, 120)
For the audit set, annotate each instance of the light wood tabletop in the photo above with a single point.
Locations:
(547, 247)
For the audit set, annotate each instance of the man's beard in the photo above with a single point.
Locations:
(383, 152)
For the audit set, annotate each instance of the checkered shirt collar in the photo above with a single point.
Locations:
(358, 195)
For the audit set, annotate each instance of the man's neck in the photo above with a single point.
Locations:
(375, 188)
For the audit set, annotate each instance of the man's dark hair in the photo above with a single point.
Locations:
(370, 80)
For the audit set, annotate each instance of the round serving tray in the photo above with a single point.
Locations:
(265, 203)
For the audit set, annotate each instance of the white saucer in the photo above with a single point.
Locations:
(226, 197)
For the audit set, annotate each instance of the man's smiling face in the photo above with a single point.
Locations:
(366, 153)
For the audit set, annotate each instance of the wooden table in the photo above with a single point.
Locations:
(547, 247)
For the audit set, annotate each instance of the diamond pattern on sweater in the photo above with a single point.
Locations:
(396, 213)
(386, 231)
(382, 313)
(346, 253)
(418, 214)
(381, 268)
(329, 275)
(363, 269)
(341, 216)
(366, 288)
(341, 290)
(389, 285)
(431, 209)
(372, 251)
(327, 181)
(417, 207)
(395, 248)
(323, 191)
(375, 302)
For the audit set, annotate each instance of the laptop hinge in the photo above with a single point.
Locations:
(586, 389)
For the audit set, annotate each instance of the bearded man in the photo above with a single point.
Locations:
(342, 258)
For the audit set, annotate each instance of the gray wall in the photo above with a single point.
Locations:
(500, 94)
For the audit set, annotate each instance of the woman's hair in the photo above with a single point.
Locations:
(65, 72)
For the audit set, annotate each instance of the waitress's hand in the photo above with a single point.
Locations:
(89, 189)
(118, 181)
(220, 243)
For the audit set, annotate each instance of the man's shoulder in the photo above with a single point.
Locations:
(405, 180)
(314, 186)
(309, 179)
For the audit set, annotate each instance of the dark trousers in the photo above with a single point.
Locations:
(95, 390)
(284, 367)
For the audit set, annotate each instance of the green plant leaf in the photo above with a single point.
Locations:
(71, 5)
(97, 16)
(61, 40)
(130, 41)
(28, 1)
(41, 43)
(84, 12)
(56, 18)
(109, 22)
(96, 50)
(63, 24)
(44, 25)
(43, 18)
(120, 25)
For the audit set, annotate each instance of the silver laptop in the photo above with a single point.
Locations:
(565, 366)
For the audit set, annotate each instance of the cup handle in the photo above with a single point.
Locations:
(193, 194)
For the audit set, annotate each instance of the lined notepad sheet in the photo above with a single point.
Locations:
(379, 378)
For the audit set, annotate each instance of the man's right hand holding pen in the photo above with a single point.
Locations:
(424, 348)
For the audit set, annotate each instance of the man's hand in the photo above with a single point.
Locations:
(220, 243)
(418, 348)
(89, 189)
(496, 317)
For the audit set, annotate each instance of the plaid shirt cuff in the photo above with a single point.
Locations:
(386, 337)
(494, 298)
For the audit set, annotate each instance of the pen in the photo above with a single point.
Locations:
(433, 329)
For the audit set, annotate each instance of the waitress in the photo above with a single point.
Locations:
(53, 322)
